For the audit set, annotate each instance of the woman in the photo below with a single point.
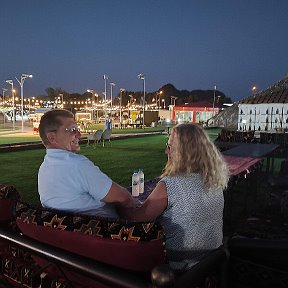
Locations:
(189, 197)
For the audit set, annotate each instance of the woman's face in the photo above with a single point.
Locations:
(169, 146)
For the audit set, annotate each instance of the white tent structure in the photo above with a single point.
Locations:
(266, 110)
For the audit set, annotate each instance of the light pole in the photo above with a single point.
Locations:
(121, 91)
(142, 77)
(33, 101)
(159, 97)
(3, 102)
(214, 95)
(29, 104)
(254, 88)
(13, 101)
(21, 83)
(111, 94)
(62, 99)
(131, 101)
(92, 92)
(105, 77)
(96, 104)
(3, 95)
(96, 95)
(255, 118)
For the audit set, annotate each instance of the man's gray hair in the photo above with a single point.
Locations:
(50, 121)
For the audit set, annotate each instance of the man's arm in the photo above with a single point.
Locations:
(119, 195)
(153, 207)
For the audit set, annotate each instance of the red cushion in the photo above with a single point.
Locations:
(134, 246)
(140, 256)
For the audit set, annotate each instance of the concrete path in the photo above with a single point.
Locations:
(38, 144)
(29, 132)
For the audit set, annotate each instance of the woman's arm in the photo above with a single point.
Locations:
(153, 207)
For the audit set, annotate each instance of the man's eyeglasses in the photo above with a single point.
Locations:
(72, 129)
(168, 146)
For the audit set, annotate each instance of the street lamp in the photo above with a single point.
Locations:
(33, 103)
(254, 88)
(111, 93)
(142, 77)
(29, 105)
(214, 95)
(21, 83)
(62, 99)
(3, 101)
(3, 95)
(96, 95)
(121, 91)
(13, 101)
(105, 77)
(131, 102)
(159, 97)
(96, 103)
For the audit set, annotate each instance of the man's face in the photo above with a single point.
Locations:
(66, 137)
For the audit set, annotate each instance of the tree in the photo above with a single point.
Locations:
(52, 93)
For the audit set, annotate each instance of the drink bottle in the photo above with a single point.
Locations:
(141, 181)
(135, 184)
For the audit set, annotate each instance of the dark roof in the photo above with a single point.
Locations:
(277, 93)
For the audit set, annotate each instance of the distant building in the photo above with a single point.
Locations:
(266, 110)
(198, 112)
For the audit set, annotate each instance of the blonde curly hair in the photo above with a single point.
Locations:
(193, 152)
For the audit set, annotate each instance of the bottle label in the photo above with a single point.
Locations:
(135, 185)
(141, 185)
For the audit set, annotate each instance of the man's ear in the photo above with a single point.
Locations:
(51, 137)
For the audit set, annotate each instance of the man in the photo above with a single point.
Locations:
(68, 181)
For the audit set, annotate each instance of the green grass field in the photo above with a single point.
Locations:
(4, 139)
(20, 168)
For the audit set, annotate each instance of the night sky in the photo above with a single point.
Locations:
(70, 44)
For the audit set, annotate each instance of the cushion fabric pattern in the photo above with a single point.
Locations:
(137, 246)
(89, 225)
(8, 192)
